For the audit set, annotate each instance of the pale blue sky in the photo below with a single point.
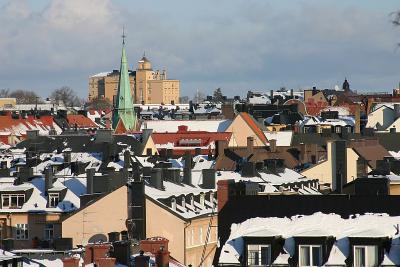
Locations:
(237, 45)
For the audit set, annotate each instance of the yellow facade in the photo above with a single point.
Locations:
(106, 85)
(88, 224)
(148, 86)
(187, 238)
(7, 102)
(36, 224)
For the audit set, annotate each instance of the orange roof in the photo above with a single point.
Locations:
(253, 125)
(81, 121)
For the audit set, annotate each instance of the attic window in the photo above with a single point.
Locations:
(12, 201)
(311, 255)
(365, 256)
(54, 199)
(258, 255)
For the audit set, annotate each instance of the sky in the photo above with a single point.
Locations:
(237, 45)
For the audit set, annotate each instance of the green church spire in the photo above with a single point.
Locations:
(123, 110)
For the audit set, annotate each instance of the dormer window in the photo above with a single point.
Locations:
(365, 256)
(258, 255)
(12, 201)
(310, 255)
(54, 199)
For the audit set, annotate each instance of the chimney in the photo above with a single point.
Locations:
(303, 153)
(226, 188)
(272, 145)
(162, 257)
(339, 164)
(392, 130)
(127, 159)
(187, 170)
(89, 180)
(291, 94)
(71, 262)
(227, 111)
(197, 151)
(220, 146)
(357, 118)
(48, 179)
(156, 179)
(208, 178)
(67, 156)
(250, 144)
(170, 153)
(271, 95)
(249, 169)
(141, 260)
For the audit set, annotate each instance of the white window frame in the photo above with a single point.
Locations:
(260, 246)
(310, 255)
(52, 198)
(49, 231)
(21, 231)
(9, 196)
(365, 247)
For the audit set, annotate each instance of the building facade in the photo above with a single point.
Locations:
(148, 86)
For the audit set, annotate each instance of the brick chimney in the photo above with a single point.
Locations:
(272, 145)
(142, 260)
(105, 262)
(153, 244)
(71, 262)
(225, 189)
(94, 252)
(357, 118)
(182, 128)
(162, 257)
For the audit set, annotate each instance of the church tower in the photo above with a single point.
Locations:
(124, 116)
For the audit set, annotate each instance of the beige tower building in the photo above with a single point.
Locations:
(148, 86)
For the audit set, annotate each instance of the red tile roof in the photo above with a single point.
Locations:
(253, 125)
(203, 139)
(81, 121)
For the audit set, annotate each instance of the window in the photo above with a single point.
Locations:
(54, 198)
(12, 200)
(365, 256)
(310, 255)
(173, 203)
(21, 231)
(49, 231)
(258, 255)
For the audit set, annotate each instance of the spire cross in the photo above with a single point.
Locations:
(123, 35)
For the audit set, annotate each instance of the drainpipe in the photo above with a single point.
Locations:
(184, 240)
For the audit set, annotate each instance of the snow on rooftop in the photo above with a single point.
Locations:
(283, 138)
(171, 126)
(101, 74)
(368, 225)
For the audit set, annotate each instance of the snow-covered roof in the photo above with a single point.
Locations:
(283, 138)
(101, 74)
(368, 225)
(171, 126)
(177, 190)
